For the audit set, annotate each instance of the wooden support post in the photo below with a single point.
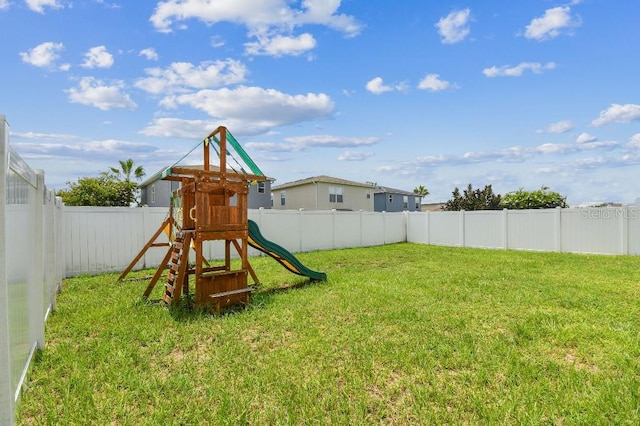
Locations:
(158, 273)
(149, 244)
(227, 255)
(248, 266)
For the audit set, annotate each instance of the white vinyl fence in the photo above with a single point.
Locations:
(31, 268)
(614, 230)
(107, 239)
(101, 239)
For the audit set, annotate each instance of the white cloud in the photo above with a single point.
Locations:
(82, 149)
(43, 55)
(551, 24)
(4, 4)
(254, 109)
(354, 156)
(93, 92)
(331, 141)
(217, 41)
(377, 86)
(634, 142)
(265, 15)
(281, 45)
(97, 57)
(149, 53)
(39, 5)
(177, 128)
(617, 113)
(181, 76)
(559, 127)
(454, 27)
(301, 143)
(43, 136)
(432, 83)
(518, 70)
(273, 147)
(586, 138)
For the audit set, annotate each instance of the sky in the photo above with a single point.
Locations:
(515, 94)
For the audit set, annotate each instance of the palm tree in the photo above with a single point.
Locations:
(126, 168)
(421, 191)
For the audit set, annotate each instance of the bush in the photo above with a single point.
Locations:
(539, 199)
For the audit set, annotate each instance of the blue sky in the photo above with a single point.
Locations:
(402, 93)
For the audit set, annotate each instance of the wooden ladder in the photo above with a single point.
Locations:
(178, 268)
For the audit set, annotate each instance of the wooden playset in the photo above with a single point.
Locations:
(210, 205)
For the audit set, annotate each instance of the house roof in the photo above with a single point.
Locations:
(158, 175)
(387, 190)
(323, 179)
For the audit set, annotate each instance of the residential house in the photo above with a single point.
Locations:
(395, 200)
(155, 192)
(323, 193)
(433, 207)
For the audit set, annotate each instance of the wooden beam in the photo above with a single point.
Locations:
(144, 249)
(158, 273)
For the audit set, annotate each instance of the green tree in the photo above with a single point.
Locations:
(539, 199)
(421, 191)
(110, 188)
(104, 190)
(126, 169)
(478, 199)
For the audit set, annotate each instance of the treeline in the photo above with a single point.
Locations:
(486, 199)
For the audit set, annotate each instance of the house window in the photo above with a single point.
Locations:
(405, 202)
(335, 194)
(260, 187)
(283, 197)
(390, 198)
(368, 195)
(153, 194)
(418, 205)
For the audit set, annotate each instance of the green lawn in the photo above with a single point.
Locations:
(399, 334)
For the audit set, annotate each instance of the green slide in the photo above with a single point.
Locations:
(282, 255)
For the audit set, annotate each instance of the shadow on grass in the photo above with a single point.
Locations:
(186, 311)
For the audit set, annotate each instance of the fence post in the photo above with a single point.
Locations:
(428, 225)
(50, 270)
(36, 281)
(558, 226)
(361, 228)
(505, 229)
(6, 397)
(624, 231)
(384, 227)
(462, 236)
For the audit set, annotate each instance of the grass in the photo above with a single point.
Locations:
(400, 334)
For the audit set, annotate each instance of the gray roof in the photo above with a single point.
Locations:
(323, 179)
(387, 190)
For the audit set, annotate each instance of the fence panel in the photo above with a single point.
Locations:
(532, 229)
(593, 230)
(633, 230)
(372, 229)
(395, 228)
(107, 239)
(418, 227)
(484, 229)
(317, 230)
(29, 275)
(445, 228)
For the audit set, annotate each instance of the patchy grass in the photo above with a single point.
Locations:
(400, 334)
